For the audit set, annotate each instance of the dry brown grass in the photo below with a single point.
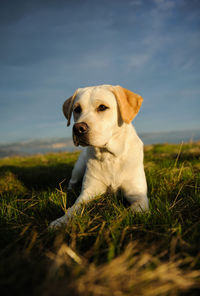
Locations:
(135, 272)
(106, 250)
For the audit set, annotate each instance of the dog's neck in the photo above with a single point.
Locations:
(114, 146)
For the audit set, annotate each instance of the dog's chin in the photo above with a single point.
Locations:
(78, 141)
(83, 144)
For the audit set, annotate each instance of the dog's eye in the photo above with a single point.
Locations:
(102, 108)
(78, 109)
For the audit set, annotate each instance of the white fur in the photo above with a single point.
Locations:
(114, 158)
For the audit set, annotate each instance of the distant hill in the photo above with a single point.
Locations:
(63, 144)
(171, 137)
(36, 147)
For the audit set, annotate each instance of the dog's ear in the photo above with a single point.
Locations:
(67, 107)
(129, 102)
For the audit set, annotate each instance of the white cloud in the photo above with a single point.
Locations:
(136, 2)
(139, 60)
(165, 4)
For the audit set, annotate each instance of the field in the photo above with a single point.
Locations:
(106, 249)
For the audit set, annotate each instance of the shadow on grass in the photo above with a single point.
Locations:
(40, 177)
(31, 196)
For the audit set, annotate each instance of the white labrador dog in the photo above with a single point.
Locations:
(114, 154)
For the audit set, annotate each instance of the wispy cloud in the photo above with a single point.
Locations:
(50, 48)
(139, 60)
(165, 5)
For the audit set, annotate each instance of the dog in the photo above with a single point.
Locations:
(113, 157)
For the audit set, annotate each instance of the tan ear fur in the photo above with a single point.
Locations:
(129, 103)
(67, 107)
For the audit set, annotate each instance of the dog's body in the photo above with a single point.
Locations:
(114, 153)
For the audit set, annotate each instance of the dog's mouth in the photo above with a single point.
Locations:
(80, 140)
(80, 134)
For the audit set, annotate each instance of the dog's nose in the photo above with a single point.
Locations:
(80, 128)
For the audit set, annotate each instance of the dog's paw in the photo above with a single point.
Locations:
(141, 205)
(58, 222)
(70, 187)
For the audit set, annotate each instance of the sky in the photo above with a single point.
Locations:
(50, 48)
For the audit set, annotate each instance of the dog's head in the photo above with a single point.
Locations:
(99, 111)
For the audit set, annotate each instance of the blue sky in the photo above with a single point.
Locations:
(50, 48)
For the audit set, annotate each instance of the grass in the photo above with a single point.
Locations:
(106, 250)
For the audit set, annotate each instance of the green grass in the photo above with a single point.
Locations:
(106, 249)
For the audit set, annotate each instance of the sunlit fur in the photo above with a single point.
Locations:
(114, 157)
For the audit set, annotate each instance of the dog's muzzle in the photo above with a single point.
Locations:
(80, 134)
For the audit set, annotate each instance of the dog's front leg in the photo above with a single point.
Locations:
(139, 202)
(78, 170)
(136, 194)
(90, 189)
